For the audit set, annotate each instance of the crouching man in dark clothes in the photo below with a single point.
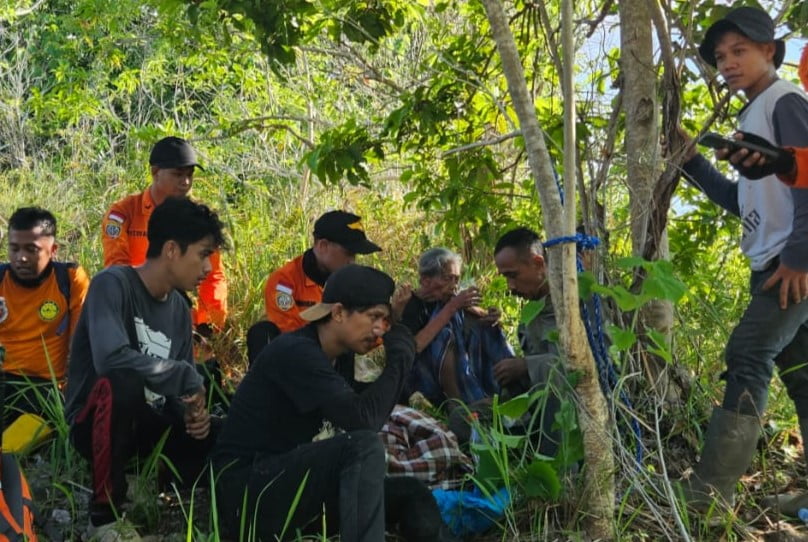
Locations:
(131, 376)
(302, 384)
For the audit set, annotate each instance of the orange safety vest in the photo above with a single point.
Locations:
(289, 291)
(123, 234)
(31, 323)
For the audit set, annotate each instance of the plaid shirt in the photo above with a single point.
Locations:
(420, 446)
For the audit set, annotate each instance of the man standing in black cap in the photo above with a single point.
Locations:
(172, 163)
(338, 238)
(774, 327)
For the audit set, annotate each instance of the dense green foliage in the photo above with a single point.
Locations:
(394, 109)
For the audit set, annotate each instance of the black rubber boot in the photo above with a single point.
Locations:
(728, 449)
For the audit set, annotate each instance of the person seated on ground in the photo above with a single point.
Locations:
(172, 164)
(458, 343)
(298, 284)
(40, 303)
(519, 257)
(131, 376)
(298, 392)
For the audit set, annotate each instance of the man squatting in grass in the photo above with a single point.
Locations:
(131, 375)
(300, 384)
(172, 164)
(774, 218)
(40, 303)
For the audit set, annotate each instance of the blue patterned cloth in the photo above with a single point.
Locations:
(477, 349)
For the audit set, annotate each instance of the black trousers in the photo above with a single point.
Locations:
(115, 425)
(342, 477)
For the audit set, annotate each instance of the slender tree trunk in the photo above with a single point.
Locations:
(593, 414)
(639, 76)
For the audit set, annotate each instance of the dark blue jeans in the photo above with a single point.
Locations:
(765, 336)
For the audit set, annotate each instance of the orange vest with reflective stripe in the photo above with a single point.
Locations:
(123, 234)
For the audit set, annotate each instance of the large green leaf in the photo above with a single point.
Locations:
(540, 480)
(531, 310)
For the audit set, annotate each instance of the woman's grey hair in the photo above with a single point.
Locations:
(432, 262)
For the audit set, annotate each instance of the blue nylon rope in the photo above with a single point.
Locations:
(607, 374)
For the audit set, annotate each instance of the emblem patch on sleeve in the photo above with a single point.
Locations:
(112, 230)
(48, 310)
(3, 310)
(283, 297)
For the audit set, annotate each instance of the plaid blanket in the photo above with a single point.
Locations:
(420, 446)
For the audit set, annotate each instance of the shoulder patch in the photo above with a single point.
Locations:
(116, 217)
(284, 300)
(112, 230)
(3, 310)
(48, 310)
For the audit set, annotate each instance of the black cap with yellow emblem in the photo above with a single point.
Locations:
(345, 229)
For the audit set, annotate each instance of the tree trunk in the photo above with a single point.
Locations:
(593, 414)
(639, 77)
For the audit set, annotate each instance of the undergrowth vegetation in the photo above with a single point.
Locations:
(413, 133)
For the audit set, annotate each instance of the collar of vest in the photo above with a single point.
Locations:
(311, 269)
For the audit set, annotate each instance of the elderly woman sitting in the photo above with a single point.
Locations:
(458, 343)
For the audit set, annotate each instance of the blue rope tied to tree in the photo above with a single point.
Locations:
(607, 374)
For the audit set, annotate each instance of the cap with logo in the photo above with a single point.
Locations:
(344, 229)
(753, 23)
(354, 286)
(173, 152)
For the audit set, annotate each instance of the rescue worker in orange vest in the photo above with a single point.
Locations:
(298, 285)
(172, 162)
(40, 303)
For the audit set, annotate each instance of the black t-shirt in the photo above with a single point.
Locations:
(278, 404)
(417, 313)
(292, 388)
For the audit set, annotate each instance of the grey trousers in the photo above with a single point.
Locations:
(765, 336)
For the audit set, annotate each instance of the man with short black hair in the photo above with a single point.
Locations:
(131, 374)
(40, 303)
(519, 257)
(299, 388)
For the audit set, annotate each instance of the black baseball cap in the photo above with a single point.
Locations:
(345, 229)
(753, 23)
(354, 286)
(171, 152)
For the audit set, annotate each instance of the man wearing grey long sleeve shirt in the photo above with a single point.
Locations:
(131, 376)
(519, 257)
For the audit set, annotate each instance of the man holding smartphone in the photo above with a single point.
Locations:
(774, 327)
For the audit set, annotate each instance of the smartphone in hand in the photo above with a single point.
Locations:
(716, 141)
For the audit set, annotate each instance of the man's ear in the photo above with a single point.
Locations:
(154, 170)
(170, 249)
(54, 248)
(538, 261)
(338, 312)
